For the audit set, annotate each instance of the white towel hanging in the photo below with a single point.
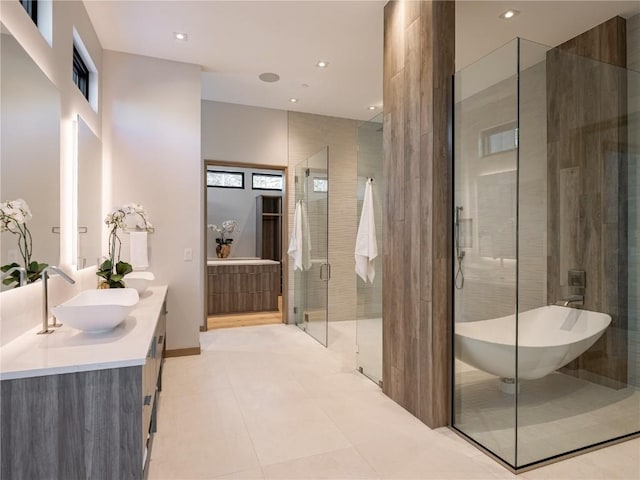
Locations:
(138, 250)
(366, 244)
(300, 240)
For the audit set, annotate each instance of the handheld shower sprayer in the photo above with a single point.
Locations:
(459, 251)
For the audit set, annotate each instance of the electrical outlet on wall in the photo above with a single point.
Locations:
(188, 255)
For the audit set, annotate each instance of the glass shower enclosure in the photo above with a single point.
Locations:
(311, 219)
(546, 237)
(369, 294)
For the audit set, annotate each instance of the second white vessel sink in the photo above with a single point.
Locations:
(97, 311)
(139, 280)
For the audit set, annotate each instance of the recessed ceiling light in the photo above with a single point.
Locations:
(372, 107)
(269, 77)
(322, 64)
(509, 14)
(293, 100)
(183, 37)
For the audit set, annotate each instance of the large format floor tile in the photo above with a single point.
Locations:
(269, 402)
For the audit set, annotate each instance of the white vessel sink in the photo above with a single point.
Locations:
(139, 280)
(97, 311)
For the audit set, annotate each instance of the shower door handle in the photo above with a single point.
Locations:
(328, 271)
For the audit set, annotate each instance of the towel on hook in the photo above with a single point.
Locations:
(366, 244)
(300, 239)
(138, 250)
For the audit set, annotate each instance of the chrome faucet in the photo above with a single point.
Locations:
(572, 300)
(20, 270)
(45, 297)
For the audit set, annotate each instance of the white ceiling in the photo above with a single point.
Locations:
(235, 41)
(479, 30)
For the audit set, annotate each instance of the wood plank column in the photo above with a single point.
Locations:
(419, 39)
(587, 149)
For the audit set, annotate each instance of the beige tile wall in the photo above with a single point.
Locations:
(489, 265)
(308, 134)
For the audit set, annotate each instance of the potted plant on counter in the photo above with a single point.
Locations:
(14, 216)
(112, 271)
(224, 243)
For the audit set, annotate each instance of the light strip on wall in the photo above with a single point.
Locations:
(73, 231)
(68, 128)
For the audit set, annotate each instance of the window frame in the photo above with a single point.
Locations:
(486, 134)
(279, 175)
(231, 172)
(81, 72)
(31, 7)
(325, 179)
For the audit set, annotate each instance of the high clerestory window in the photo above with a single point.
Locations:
(84, 72)
(320, 184)
(31, 6)
(80, 73)
(223, 179)
(267, 181)
(41, 13)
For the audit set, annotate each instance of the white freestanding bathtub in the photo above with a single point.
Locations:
(548, 338)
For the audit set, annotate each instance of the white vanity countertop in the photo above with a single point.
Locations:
(68, 350)
(234, 261)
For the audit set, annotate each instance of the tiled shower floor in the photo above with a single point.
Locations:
(556, 414)
(270, 402)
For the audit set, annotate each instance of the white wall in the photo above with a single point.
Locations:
(20, 309)
(30, 151)
(151, 138)
(241, 134)
(240, 205)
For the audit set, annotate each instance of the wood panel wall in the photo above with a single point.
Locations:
(242, 288)
(76, 425)
(587, 193)
(419, 38)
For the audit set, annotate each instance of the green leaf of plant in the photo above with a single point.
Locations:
(116, 278)
(106, 265)
(4, 268)
(123, 268)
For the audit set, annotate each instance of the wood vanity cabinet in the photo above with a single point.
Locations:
(96, 424)
(243, 288)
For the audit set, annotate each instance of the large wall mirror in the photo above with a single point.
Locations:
(89, 200)
(30, 152)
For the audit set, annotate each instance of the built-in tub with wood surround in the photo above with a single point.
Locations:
(242, 285)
